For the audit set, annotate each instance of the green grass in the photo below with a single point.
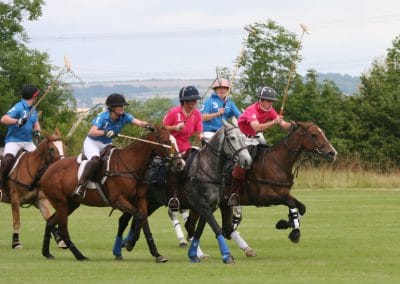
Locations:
(348, 236)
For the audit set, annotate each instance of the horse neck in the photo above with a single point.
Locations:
(211, 157)
(137, 153)
(285, 153)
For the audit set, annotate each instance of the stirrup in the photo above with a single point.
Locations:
(80, 192)
(233, 200)
(174, 204)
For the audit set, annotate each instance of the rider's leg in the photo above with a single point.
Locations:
(88, 173)
(238, 178)
(6, 164)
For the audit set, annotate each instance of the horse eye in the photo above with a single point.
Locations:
(233, 138)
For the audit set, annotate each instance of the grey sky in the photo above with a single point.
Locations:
(125, 40)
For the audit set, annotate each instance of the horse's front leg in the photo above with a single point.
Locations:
(44, 207)
(151, 244)
(15, 207)
(123, 222)
(294, 219)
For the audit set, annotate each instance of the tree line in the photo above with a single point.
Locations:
(364, 127)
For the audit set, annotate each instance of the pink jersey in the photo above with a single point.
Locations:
(255, 113)
(193, 124)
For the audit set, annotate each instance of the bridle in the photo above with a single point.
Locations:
(305, 134)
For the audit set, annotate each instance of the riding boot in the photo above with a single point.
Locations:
(234, 199)
(238, 178)
(87, 174)
(6, 164)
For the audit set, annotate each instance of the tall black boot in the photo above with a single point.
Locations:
(6, 165)
(88, 173)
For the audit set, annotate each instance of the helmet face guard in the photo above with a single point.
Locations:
(189, 93)
(267, 93)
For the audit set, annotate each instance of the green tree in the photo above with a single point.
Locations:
(377, 110)
(20, 65)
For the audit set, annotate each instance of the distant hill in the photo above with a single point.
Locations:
(347, 84)
(93, 93)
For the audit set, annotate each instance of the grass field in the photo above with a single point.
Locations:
(348, 236)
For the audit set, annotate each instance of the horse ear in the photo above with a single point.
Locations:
(57, 131)
(45, 134)
(226, 124)
(234, 121)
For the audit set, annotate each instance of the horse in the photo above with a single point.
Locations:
(199, 188)
(22, 183)
(121, 175)
(269, 180)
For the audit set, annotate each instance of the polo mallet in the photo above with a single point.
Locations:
(249, 29)
(212, 83)
(304, 30)
(66, 68)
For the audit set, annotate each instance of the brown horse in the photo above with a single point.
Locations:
(270, 178)
(22, 183)
(122, 179)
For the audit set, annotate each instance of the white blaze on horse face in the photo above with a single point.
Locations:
(60, 147)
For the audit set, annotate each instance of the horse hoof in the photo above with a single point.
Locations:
(119, 257)
(228, 259)
(294, 235)
(49, 256)
(161, 259)
(249, 252)
(204, 256)
(83, 258)
(183, 244)
(282, 225)
(129, 246)
(194, 259)
(17, 245)
(62, 245)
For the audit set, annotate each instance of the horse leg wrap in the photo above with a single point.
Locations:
(15, 241)
(128, 238)
(192, 254)
(294, 218)
(117, 247)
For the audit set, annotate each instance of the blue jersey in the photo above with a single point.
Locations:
(24, 133)
(103, 121)
(211, 105)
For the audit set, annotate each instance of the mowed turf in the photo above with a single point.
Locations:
(348, 236)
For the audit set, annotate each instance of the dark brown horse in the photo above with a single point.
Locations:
(123, 186)
(270, 178)
(22, 183)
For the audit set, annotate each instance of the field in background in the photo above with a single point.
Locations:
(348, 236)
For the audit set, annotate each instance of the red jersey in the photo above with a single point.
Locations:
(255, 113)
(193, 124)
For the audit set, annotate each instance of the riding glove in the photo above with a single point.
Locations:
(110, 134)
(21, 121)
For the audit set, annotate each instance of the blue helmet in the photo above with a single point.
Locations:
(189, 93)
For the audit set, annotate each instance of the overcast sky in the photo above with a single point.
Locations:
(128, 39)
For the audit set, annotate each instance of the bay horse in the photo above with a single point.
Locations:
(22, 184)
(122, 179)
(270, 178)
(199, 188)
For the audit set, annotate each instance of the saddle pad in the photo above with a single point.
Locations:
(17, 162)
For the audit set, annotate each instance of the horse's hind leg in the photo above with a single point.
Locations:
(151, 244)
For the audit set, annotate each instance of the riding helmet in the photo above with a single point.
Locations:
(116, 100)
(29, 91)
(268, 93)
(220, 83)
(189, 93)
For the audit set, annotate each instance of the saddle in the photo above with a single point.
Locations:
(99, 177)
